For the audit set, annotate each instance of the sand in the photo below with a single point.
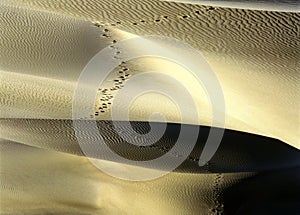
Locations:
(247, 49)
(46, 44)
(277, 5)
(250, 154)
(64, 184)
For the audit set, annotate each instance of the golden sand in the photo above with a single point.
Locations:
(46, 44)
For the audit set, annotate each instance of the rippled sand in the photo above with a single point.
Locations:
(45, 46)
(38, 181)
(275, 5)
(254, 54)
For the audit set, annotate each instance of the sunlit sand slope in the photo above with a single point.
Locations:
(46, 44)
(277, 5)
(38, 181)
(255, 55)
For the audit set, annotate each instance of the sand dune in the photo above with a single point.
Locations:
(35, 43)
(238, 151)
(46, 44)
(77, 187)
(277, 5)
(248, 51)
(38, 181)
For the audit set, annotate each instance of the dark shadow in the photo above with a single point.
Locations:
(238, 151)
(273, 192)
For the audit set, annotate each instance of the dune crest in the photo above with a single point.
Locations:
(277, 5)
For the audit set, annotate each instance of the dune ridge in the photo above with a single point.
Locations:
(277, 5)
(248, 51)
(77, 187)
(251, 152)
(46, 44)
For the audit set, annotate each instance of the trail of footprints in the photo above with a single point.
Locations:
(165, 18)
(107, 93)
(219, 206)
(157, 20)
(123, 72)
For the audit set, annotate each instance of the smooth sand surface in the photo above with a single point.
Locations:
(46, 44)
